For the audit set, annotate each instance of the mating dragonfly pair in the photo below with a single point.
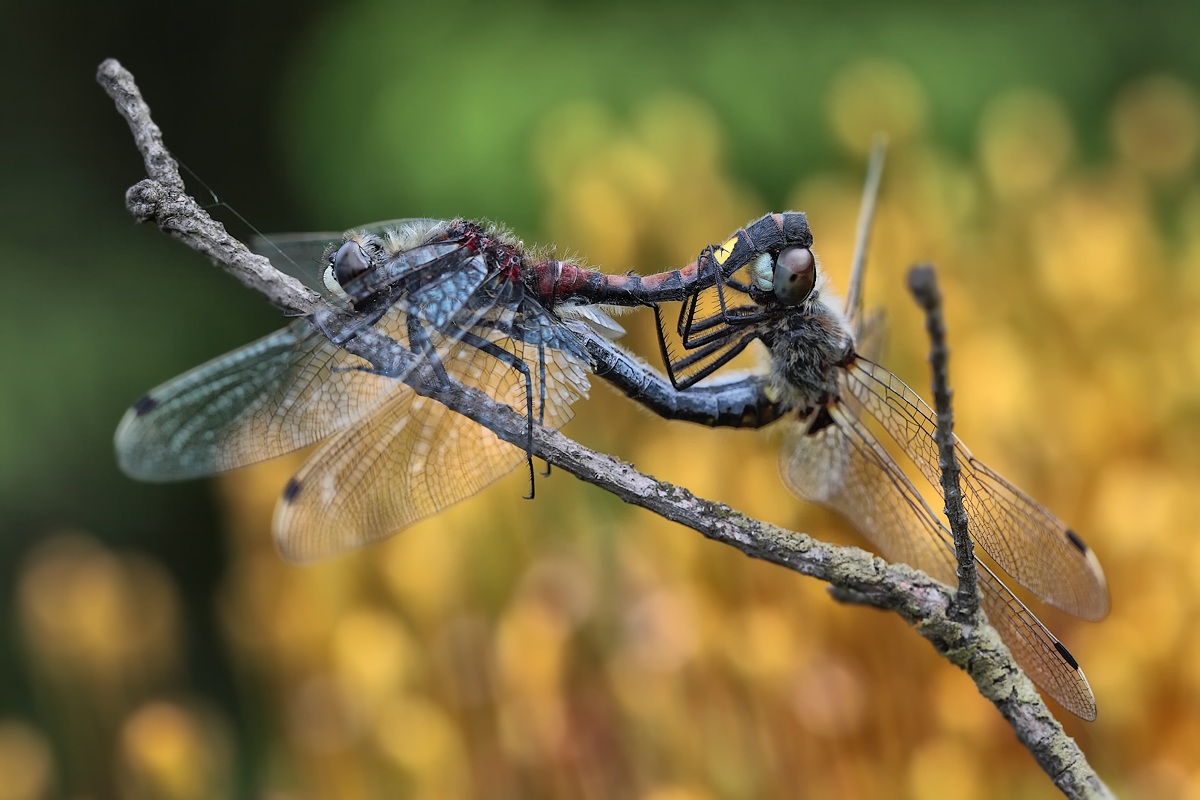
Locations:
(469, 302)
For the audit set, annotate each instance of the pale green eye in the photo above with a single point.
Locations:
(762, 272)
(795, 275)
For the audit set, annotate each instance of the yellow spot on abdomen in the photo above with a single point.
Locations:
(726, 250)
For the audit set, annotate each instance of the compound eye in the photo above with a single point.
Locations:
(795, 275)
(349, 262)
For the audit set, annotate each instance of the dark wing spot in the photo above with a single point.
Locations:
(1075, 540)
(145, 406)
(1066, 654)
(291, 490)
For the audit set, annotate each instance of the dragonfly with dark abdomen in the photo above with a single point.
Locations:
(764, 285)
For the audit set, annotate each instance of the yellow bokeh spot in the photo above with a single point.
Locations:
(420, 738)
(169, 754)
(675, 793)
(372, 656)
(762, 644)
(423, 566)
(1138, 506)
(92, 615)
(1092, 245)
(26, 764)
(873, 97)
(1156, 125)
(1025, 142)
(944, 768)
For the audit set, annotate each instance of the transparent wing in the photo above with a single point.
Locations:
(1026, 540)
(284, 392)
(871, 334)
(299, 254)
(831, 458)
(414, 457)
(273, 396)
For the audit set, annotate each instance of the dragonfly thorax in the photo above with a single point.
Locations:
(809, 347)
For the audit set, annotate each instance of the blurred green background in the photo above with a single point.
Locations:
(153, 645)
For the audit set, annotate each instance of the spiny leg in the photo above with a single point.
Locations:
(499, 353)
(716, 341)
(542, 393)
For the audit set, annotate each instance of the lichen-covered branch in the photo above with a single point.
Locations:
(854, 573)
(922, 281)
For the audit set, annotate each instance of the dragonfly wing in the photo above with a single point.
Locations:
(1039, 653)
(301, 254)
(1025, 539)
(273, 396)
(414, 457)
(833, 459)
(298, 254)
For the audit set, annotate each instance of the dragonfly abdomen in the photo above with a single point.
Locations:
(558, 281)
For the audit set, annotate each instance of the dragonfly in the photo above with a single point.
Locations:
(466, 298)
(451, 293)
(764, 284)
(463, 297)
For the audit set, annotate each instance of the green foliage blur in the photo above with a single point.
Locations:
(154, 645)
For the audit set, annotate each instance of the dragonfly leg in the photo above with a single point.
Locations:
(422, 345)
(496, 351)
(721, 346)
(542, 393)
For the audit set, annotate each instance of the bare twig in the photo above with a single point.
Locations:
(856, 574)
(922, 281)
(862, 236)
(161, 198)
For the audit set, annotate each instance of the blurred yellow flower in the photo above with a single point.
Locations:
(26, 763)
(171, 753)
(1025, 142)
(1156, 125)
(90, 616)
(943, 768)
(872, 97)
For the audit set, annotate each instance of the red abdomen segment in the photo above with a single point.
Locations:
(558, 281)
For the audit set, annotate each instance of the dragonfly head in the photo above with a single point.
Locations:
(789, 277)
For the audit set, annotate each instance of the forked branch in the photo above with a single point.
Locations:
(921, 601)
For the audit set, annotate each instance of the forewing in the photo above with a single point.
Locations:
(831, 458)
(1025, 539)
(300, 254)
(273, 396)
(414, 457)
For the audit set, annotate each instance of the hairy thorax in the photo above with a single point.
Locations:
(806, 350)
